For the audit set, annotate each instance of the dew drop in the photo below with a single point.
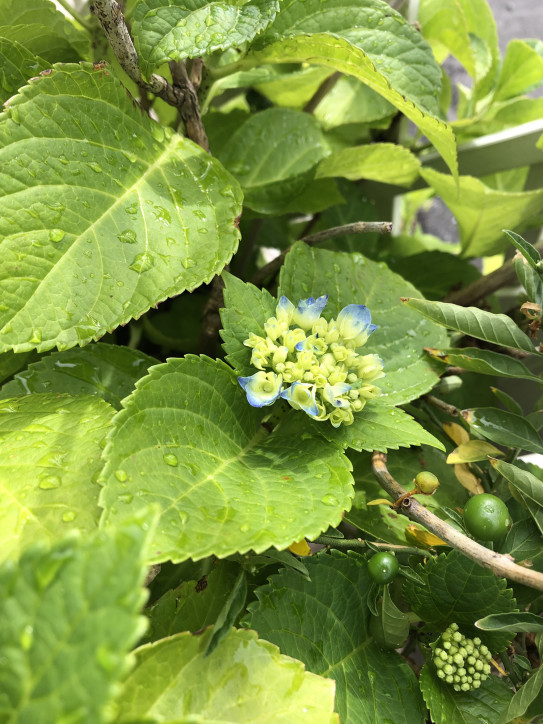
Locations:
(142, 262)
(127, 236)
(49, 482)
(95, 167)
(244, 528)
(56, 234)
(121, 475)
(36, 336)
(126, 498)
(69, 516)
(329, 500)
(171, 459)
(188, 262)
(183, 517)
(132, 209)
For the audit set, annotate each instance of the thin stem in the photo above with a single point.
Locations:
(76, 15)
(354, 543)
(441, 405)
(501, 565)
(358, 227)
(324, 88)
(482, 287)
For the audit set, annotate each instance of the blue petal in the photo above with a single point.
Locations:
(332, 394)
(256, 388)
(353, 320)
(308, 311)
(301, 396)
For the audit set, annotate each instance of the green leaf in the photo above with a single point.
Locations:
(17, 65)
(524, 698)
(84, 251)
(530, 280)
(484, 362)
(393, 623)
(397, 50)
(340, 54)
(530, 487)
(465, 28)
(352, 279)
(11, 363)
(378, 427)
(233, 607)
(272, 154)
(478, 706)
(528, 251)
(474, 322)
(482, 212)
(520, 622)
(189, 441)
(324, 622)
(44, 442)
(458, 589)
(247, 309)
(43, 30)
(445, 27)
(383, 162)
(192, 605)
(105, 370)
(244, 680)
(504, 428)
(350, 101)
(521, 71)
(70, 618)
(175, 29)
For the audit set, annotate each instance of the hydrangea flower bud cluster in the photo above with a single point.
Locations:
(460, 661)
(313, 363)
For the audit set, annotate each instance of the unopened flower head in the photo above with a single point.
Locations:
(313, 363)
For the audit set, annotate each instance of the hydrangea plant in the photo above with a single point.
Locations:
(206, 436)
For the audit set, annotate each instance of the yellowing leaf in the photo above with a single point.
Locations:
(473, 451)
(467, 479)
(300, 549)
(456, 432)
(422, 538)
(380, 501)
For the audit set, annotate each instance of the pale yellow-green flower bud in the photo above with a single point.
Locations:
(279, 356)
(292, 337)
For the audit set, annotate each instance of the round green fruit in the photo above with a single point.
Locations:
(486, 517)
(383, 567)
(427, 483)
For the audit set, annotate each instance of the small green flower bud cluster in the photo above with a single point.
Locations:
(460, 661)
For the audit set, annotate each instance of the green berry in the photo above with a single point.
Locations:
(486, 517)
(441, 673)
(427, 483)
(383, 567)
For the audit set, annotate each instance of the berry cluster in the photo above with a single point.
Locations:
(460, 661)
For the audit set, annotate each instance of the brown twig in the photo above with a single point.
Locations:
(181, 94)
(358, 227)
(441, 405)
(482, 287)
(324, 88)
(501, 565)
(211, 319)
